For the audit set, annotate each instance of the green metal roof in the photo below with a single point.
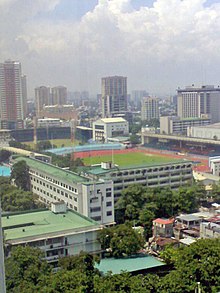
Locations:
(53, 170)
(39, 223)
(97, 170)
(129, 264)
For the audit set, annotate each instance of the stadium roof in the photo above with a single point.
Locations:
(53, 170)
(26, 226)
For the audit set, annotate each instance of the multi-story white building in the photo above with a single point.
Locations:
(11, 97)
(114, 95)
(173, 174)
(57, 233)
(211, 131)
(149, 108)
(194, 101)
(176, 125)
(91, 198)
(109, 127)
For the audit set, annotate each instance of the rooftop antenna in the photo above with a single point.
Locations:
(2, 264)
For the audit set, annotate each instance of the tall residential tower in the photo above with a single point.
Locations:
(114, 95)
(11, 98)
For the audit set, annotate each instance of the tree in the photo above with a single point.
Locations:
(122, 240)
(20, 175)
(24, 268)
(43, 145)
(4, 155)
(198, 262)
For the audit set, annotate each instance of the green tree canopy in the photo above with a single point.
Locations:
(121, 240)
(20, 175)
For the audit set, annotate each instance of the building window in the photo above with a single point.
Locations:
(98, 218)
(95, 209)
(108, 194)
(108, 203)
(109, 213)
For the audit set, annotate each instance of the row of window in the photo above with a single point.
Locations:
(73, 189)
(144, 171)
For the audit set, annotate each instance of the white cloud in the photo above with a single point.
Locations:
(158, 48)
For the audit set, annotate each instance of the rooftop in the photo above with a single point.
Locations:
(53, 170)
(130, 264)
(22, 226)
(188, 217)
(112, 120)
(97, 170)
(163, 221)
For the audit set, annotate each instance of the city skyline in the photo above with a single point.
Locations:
(75, 43)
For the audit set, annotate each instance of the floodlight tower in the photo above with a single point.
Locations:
(2, 263)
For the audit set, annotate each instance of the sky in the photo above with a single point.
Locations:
(159, 45)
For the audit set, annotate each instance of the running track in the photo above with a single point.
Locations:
(203, 167)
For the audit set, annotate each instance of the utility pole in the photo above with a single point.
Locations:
(2, 263)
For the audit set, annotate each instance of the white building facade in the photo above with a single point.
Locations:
(149, 108)
(93, 199)
(175, 125)
(109, 127)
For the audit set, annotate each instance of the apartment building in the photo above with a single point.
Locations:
(12, 107)
(114, 95)
(149, 108)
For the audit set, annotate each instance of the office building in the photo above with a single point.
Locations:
(194, 101)
(42, 98)
(59, 95)
(114, 95)
(57, 232)
(91, 198)
(176, 125)
(11, 98)
(109, 127)
(149, 108)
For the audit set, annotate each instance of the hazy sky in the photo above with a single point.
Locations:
(159, 45)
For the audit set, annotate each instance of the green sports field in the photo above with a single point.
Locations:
(129, 159)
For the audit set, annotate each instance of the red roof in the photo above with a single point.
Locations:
(163, 221)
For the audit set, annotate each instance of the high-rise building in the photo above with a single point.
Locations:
(195, 101)
(136, 96)
(114, 95)
(24, 93)
(59, 95)
(149, 108)
(11, 100)
(42, 98)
